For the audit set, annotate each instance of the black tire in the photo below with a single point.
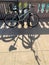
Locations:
(33, 20)
(10, 22)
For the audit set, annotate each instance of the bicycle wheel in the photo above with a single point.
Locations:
(33, 20)
(11, 20)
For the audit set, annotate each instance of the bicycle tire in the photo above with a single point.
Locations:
(30, 20)
(9, 20)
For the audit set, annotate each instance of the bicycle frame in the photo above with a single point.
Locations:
(24, 16)
(21, 15)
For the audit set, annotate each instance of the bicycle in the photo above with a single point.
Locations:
(20, 15)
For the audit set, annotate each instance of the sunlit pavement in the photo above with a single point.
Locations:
(24, 46)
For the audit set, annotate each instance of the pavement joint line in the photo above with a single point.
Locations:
(23, 51)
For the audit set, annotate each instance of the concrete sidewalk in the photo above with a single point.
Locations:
(29, 46)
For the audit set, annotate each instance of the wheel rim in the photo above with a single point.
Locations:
(10, 22)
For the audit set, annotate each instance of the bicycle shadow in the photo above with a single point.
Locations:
(30, 45)
(27, 44)
(9, 34)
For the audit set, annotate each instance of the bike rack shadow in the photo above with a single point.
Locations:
(9, 34)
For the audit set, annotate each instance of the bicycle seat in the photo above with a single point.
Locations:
(13, 7)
